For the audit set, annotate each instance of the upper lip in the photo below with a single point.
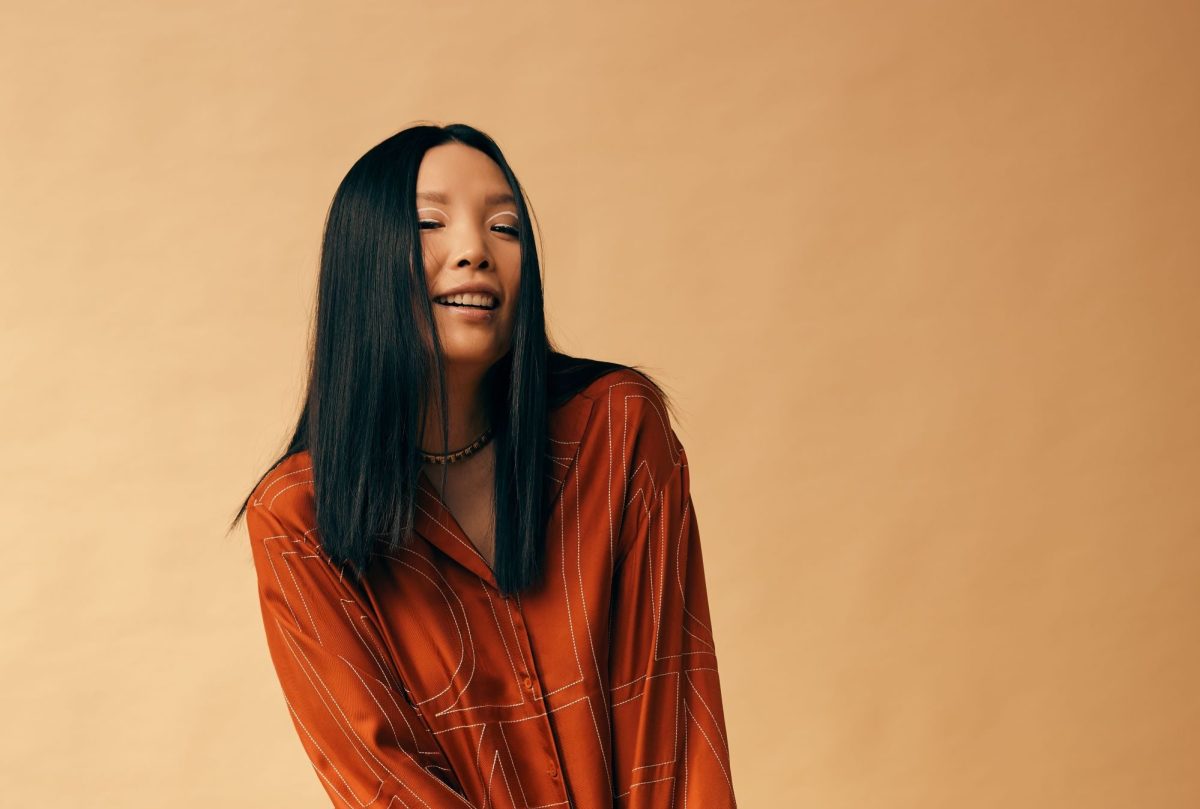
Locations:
(474, 286)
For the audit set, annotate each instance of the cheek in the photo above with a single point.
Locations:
(432, 257)
(432, 265)
(512, 289)
(510, 273)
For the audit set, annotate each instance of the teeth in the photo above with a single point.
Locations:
(470, 299)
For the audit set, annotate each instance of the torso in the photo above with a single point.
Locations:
(586, 673)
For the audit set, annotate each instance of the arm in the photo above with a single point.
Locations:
(362, 735)
(669, 740)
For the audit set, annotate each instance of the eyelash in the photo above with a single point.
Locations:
(510, 230)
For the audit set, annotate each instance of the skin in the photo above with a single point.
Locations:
(467, 235)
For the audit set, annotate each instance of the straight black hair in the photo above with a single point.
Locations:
(375, 360)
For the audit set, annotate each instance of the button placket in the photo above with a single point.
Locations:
(526, 672)
(529, 682)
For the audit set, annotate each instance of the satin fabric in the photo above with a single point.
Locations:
(423, 687)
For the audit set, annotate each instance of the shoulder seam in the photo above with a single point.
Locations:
(615, 377)
(269, 490)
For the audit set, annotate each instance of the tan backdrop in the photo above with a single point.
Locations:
(921, 276)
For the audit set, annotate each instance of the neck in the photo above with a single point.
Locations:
(466, 399)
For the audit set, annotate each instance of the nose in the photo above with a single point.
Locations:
(472, 250)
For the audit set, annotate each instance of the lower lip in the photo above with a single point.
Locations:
(468, 313)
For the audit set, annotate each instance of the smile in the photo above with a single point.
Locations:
(469, 300)
(465, 312)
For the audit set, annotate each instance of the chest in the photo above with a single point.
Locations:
(458, 644)
(469, 495)
(475, 514)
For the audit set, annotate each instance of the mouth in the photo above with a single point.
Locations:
(469, 301)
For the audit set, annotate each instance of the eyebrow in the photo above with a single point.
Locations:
(491, 199)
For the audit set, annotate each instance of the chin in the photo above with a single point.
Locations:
(468, 357)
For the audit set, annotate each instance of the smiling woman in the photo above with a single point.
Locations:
(522, 620)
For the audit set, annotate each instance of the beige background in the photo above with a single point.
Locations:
(921, 276)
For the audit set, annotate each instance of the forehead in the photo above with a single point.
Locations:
(455, 172)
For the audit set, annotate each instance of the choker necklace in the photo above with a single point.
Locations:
(459, 454)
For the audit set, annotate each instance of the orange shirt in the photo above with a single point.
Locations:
(425, 688)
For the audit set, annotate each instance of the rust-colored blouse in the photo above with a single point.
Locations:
(426, 688)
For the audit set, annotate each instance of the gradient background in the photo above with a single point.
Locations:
(922, 278)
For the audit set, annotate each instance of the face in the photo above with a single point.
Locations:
(469, 237)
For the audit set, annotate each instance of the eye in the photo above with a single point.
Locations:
(428, 224)
(511, 230)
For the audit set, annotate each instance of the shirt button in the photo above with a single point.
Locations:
(553, 770)
(528, 682)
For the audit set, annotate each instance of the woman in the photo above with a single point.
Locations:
(478, 560)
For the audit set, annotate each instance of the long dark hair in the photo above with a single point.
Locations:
(375, 360)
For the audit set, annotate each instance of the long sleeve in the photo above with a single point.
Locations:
(669, 737)
(365, 740)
